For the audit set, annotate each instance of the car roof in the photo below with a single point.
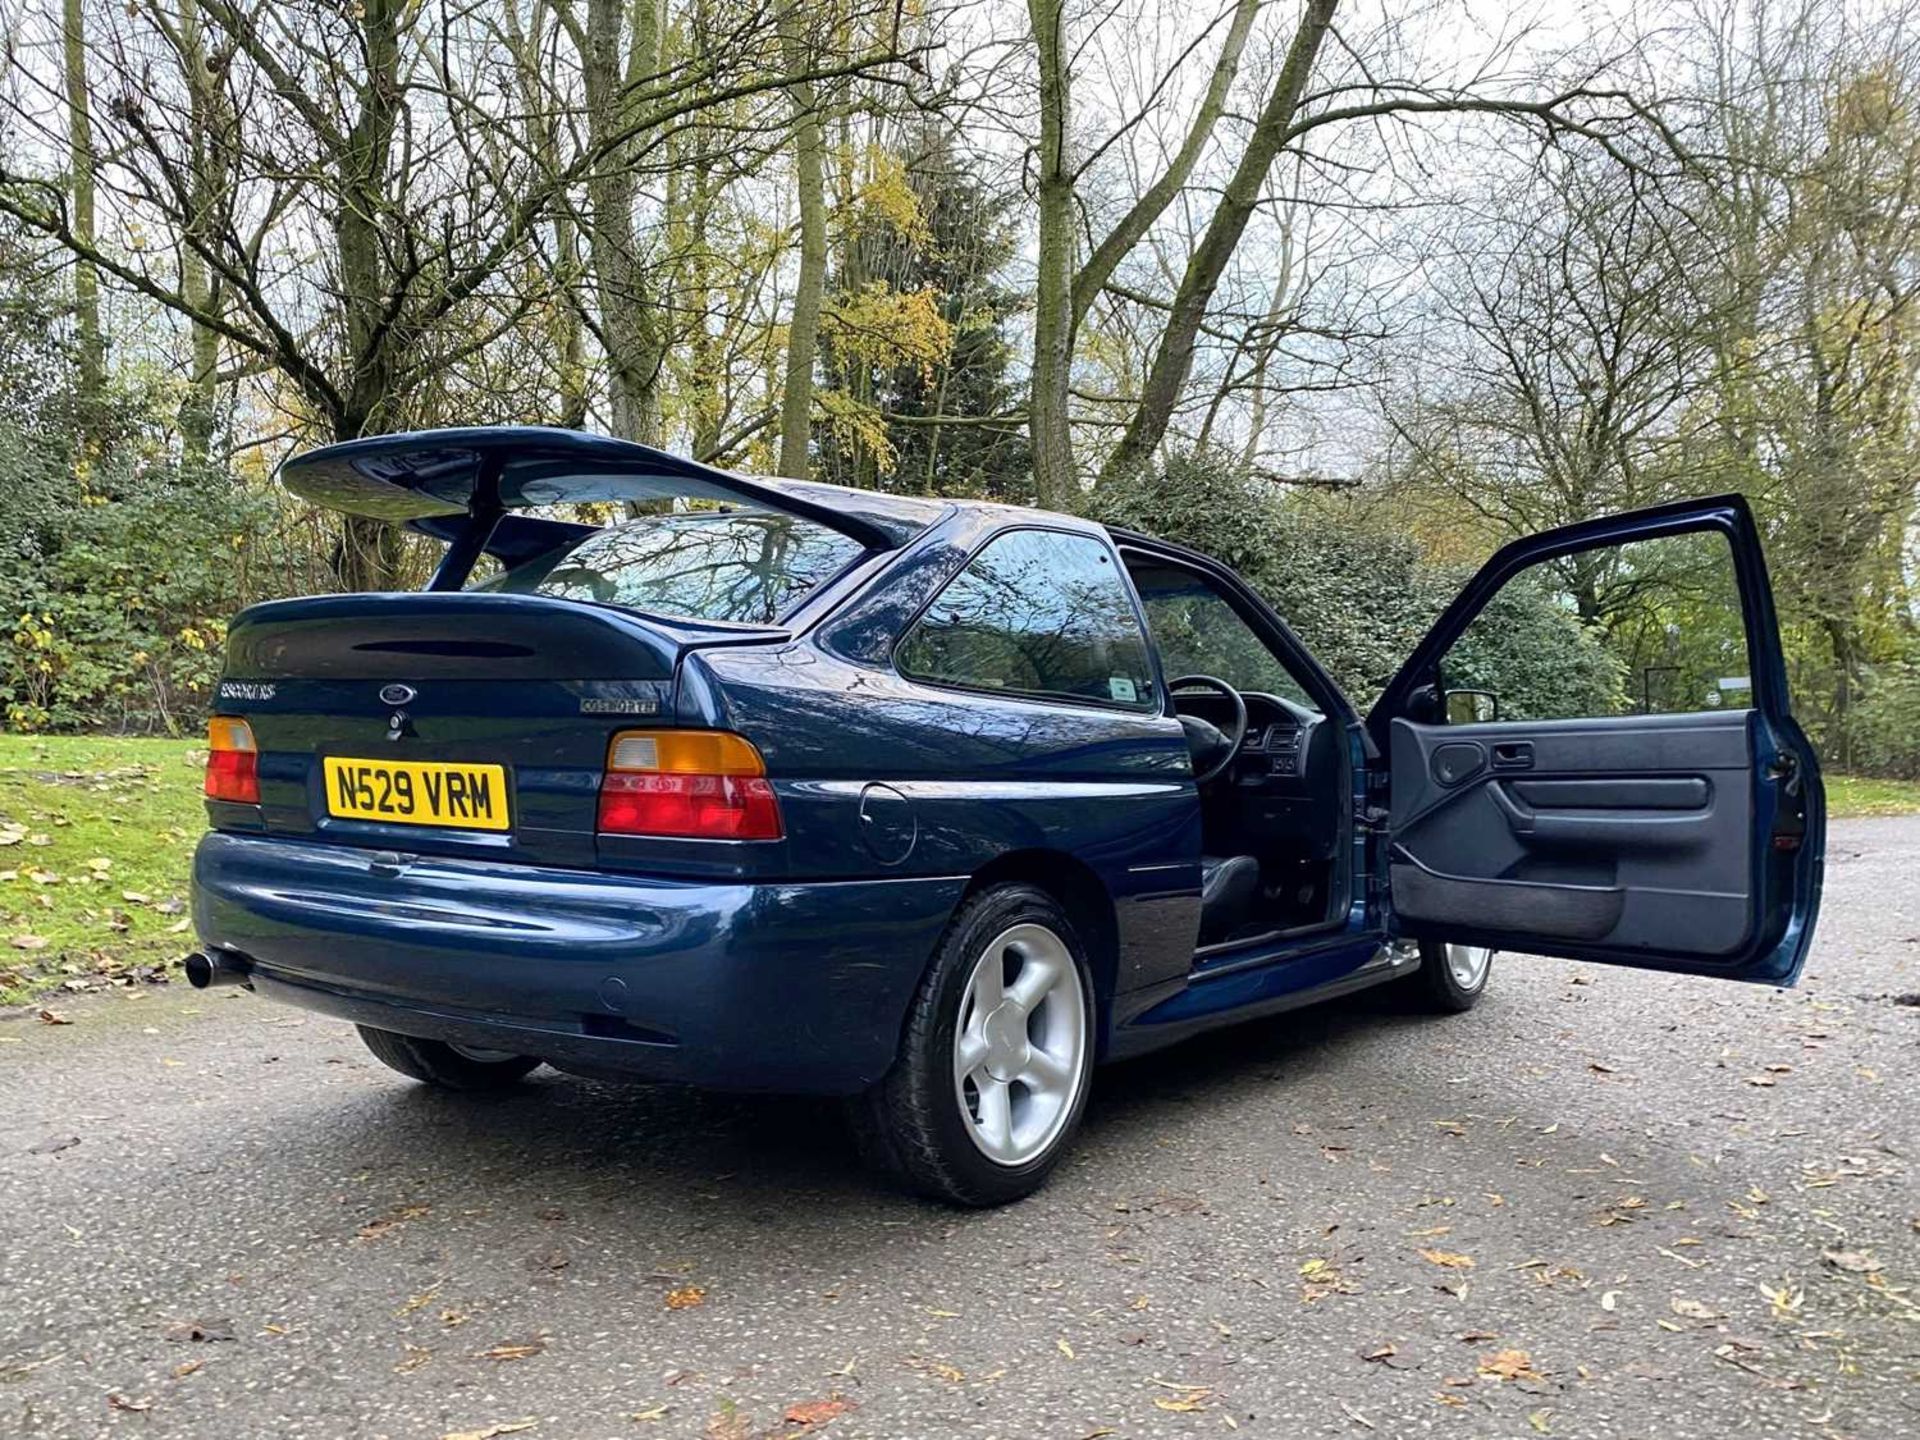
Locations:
(896, 513)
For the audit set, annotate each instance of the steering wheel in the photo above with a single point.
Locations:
(1204, 737)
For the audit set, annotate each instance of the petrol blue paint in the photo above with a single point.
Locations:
(779, 965)
(774, 987)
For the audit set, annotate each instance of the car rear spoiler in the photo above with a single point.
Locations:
(461, 485)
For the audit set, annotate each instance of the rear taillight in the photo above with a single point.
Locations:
(233, 761)
(697, 784)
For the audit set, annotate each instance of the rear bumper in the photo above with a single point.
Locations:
(796, 988)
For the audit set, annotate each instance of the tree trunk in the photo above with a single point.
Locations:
(1048, 400)
(705, 362)
(90, 344)
(810, 185)
(632, 329)
(1173, 358)
(208, 183)
(368, 555)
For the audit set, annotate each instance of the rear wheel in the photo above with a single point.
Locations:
(1451, 978)
(993, 1070)
(451, 1067)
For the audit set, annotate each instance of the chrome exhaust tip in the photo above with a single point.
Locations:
(210, 967)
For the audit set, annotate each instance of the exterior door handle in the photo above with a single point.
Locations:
(1513, 755)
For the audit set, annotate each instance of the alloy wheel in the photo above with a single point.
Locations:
(1020, 1047)
(1469, 965)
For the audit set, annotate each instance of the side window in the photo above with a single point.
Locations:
(1198, 632)
(1651, 627)
(1036, 612)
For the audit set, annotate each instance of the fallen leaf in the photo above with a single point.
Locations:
(417, 1355)
(1384, 1351)
(489, 1432)
(1540, 1420)
(1183, 1404)
(658, 1412)
(1694, 1309)
(1785, 1299)
(414, 1302)
(53, 1017)
(819, 1412)
(949, 1373)
(29, 942)
(1064, 1348)
(509, 1351)
(1509, 1365)
(54, 1144)
(186, 1368)
(1860, 1262)
(121, 1402)
(686, 1297)
(1447, 1259)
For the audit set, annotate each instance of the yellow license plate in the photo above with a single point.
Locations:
(417, 792)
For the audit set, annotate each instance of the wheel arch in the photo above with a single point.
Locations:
(1080, 892)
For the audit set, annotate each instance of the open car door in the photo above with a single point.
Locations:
(1592, 755)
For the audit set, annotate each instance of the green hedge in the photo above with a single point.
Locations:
(118, 580)
(1361, 600)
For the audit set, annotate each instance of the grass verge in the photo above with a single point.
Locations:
(96, 839)
(1852, 796)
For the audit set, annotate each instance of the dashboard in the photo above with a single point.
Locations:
(1284, 784)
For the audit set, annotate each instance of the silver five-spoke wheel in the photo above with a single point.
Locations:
(1469, 965)
(1019, 1051)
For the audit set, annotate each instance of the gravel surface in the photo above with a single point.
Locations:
(1604, 1204)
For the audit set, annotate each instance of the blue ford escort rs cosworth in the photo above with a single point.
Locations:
(931, 804)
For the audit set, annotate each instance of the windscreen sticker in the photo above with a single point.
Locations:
(1121, 688)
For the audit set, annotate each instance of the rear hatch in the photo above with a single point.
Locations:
(475, 722)
(497, 710)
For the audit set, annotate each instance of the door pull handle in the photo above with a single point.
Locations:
(1513, 755)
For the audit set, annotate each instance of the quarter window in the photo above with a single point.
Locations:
(1036, 612)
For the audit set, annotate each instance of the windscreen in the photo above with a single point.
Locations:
(743, 567)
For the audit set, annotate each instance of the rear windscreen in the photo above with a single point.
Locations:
(749, 568)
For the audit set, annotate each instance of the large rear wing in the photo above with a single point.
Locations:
(463, 485)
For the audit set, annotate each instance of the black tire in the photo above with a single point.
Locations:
(437, 1063)
(1436, 988)
(910, 1126)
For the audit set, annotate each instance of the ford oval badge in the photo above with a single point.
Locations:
(397, 694)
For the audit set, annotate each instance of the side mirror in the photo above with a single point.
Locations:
(1472, 707)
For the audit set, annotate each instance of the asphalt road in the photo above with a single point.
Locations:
(1604, 1204)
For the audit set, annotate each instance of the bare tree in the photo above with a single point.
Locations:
(91, 343)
